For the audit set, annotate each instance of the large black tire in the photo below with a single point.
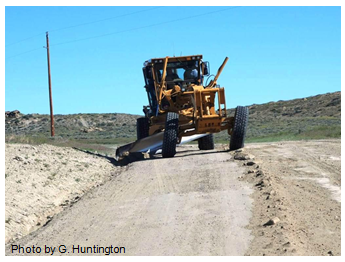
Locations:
(170, 135)
(142, 127)
(240, 128)
(206, 142)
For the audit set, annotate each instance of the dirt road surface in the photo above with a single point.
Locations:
(269, 199)
(192, 204)
(300, 184)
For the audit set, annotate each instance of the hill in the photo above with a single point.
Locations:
(305, 118)
(312, 117)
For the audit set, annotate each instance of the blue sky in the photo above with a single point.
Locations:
(275, 53)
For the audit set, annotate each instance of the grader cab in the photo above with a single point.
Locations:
(182, 103)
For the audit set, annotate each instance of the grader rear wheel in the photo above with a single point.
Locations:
(206, 142)
(142, 127)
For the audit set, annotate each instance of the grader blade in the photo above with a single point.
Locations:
(152, 144)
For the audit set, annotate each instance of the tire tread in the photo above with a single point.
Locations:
(170, 135)
(240, 128)
(206, 142)
(143, 127)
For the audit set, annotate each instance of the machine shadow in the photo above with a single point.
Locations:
(137, 157)
(112, 160)
(187, 153)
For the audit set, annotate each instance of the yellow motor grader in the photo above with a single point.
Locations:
(182, 106)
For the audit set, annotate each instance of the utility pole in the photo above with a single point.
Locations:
(52, 129)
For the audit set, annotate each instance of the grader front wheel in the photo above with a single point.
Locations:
(170, 135)
(240, 128)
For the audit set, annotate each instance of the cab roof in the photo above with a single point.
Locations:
(174, 59)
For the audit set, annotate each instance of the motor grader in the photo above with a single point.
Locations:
(182, 104)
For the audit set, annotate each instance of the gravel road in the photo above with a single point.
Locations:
(300, 184)
(269, 199)
(192, 204)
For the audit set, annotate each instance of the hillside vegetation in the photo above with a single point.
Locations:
(313, 117)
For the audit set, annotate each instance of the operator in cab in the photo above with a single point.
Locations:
(191, 74)
(171, 76)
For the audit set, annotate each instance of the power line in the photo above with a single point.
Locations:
(106, 19)
(147, 26)
(24, 53)
(128, 30)
(25, 39)
(78, 25)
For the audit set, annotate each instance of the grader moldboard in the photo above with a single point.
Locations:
(181, 108)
